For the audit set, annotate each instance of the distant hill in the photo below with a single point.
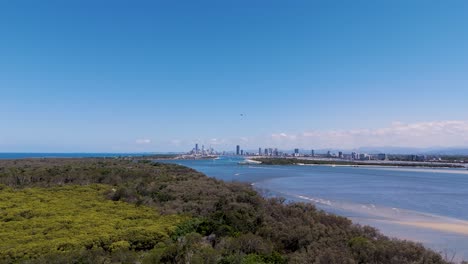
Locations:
(425, 151)
(449, 151)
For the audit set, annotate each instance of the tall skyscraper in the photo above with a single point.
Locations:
(196, 148)
(237, 150)
(259, 151)
(296, 152)
(312, 153)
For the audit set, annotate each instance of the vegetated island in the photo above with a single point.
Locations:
(295, 161)
(136, 211)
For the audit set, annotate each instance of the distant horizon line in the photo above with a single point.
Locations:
(301, 149)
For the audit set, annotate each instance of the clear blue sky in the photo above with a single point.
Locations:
(159, 75)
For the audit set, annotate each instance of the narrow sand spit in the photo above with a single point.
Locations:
(460, 227)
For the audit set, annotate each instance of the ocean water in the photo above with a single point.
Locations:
(65, 155)
(424, 205)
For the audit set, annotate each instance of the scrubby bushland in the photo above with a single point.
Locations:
(226, 222)
(39, 221)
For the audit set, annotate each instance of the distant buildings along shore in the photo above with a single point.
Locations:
(297, 152)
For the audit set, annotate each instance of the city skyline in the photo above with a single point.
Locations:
(340, 153)
(374, 157)
(157, 76)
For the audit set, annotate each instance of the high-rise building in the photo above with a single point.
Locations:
(259, 151)
(312, 153)
(196, 148)
(266, 152)
(242, 152)
(382, 156)
(237, 150)
(340, 155)
(296, 152)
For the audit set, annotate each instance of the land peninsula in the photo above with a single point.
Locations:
(299, 161)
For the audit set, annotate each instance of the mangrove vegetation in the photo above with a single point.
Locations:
(130, 211)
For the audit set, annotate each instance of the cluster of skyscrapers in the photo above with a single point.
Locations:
(198, 152)
(297, 153)
(265, 152)
(202, 152)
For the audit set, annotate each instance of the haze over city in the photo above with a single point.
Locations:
(114, 76)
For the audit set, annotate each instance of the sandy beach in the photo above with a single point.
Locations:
(457, 228)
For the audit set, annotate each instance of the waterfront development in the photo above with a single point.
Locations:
(425, 205)
(275, 156)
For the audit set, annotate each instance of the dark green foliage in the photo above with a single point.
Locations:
(228, 222)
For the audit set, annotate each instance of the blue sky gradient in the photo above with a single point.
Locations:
(132, 76)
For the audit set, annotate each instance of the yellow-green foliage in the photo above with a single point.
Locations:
(38, 221)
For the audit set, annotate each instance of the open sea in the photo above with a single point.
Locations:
(5, 155)
(419, 204)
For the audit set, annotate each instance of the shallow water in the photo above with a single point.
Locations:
(425, 205)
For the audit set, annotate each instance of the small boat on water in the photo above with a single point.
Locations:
(249, 162)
